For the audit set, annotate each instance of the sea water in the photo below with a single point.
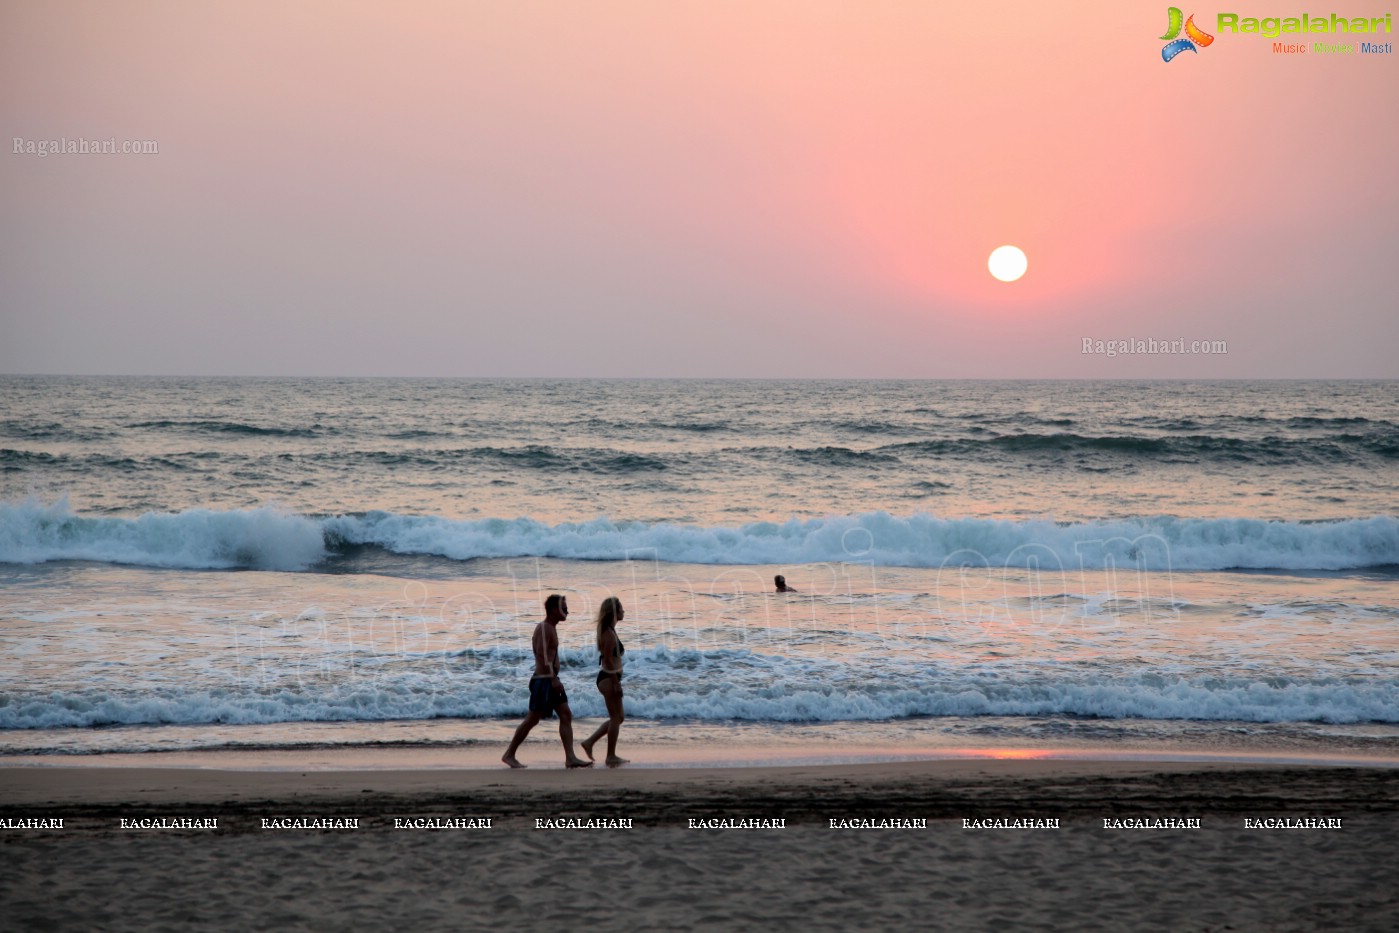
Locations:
(284, 564)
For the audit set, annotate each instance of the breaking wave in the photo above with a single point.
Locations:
(267, 538)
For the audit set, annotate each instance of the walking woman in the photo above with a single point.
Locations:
(609, 679)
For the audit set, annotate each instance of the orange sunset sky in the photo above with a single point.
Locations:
(747, 189)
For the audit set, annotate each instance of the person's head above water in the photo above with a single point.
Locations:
(781, 583)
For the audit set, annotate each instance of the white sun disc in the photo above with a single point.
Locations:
(1007, 263)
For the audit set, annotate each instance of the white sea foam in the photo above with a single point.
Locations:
(915, 541)
(751, 699)
(266, 538)
(33, 532)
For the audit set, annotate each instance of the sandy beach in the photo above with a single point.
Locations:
(955, 845)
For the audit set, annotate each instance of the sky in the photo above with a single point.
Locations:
(691, 188)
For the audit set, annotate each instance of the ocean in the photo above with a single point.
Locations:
(294, 565)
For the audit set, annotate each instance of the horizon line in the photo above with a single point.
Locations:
(579, 378)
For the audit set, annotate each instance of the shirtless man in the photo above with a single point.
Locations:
(546, 693)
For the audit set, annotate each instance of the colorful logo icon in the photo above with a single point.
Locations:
(1194, 36)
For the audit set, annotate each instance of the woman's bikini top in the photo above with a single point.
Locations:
(621, 650)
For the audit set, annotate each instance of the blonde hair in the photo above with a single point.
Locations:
(607, 617)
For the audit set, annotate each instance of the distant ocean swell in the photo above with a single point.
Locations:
(1367, 443)
(1201, 448)
(36, 532)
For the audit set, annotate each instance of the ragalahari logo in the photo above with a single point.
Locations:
(1176, 46)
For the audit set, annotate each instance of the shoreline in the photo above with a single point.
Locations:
(452, 744)
(540, 752)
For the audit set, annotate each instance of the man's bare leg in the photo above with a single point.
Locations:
(509, 758)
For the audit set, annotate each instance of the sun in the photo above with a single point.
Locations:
(1007, 263)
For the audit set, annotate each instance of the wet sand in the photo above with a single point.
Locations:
(660, 873)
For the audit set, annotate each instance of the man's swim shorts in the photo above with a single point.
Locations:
(543, 698)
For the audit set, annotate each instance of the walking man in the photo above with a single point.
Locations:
(546, 693)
